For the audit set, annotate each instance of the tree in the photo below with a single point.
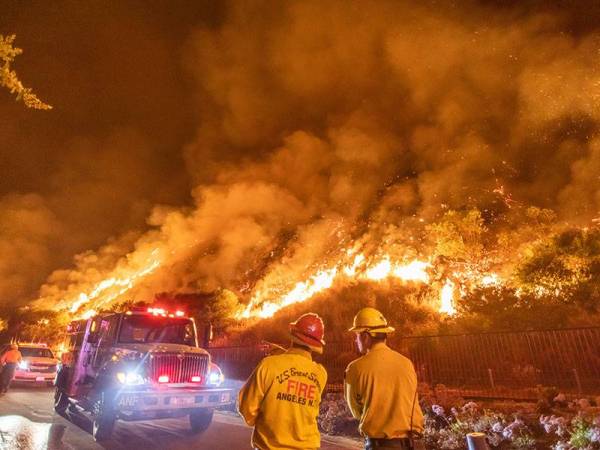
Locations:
(222, 308)
(505, 308)
(9, 79)
(566, 265)
(458, 236)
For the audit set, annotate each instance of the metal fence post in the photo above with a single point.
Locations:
(476, 441)
(578, 381)
(491, 376)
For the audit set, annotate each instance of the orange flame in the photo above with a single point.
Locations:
(447, 299)
(262, 304)
(109, 289)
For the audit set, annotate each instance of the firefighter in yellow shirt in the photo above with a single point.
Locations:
(282, 396)
(380, 388)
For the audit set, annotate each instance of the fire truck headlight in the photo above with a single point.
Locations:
(130, 378)
(23, 365)
(215, 376)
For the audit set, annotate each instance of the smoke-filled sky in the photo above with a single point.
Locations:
(232, 141)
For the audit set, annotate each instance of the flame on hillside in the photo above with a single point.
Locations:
(262, 304)
(265, 302)
(103, 293)
(447, 298)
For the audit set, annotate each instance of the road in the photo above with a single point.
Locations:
(28, 422)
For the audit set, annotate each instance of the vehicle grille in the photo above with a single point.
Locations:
(43, 369)
(180, 368)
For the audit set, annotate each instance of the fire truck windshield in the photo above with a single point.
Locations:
(149, 329)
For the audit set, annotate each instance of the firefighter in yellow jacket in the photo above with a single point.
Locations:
(282, 396)
(380, 388)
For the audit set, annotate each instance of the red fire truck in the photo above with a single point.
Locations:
(138, 365)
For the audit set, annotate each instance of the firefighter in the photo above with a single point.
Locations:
(9, 361)
(380, 388)
(282, 396)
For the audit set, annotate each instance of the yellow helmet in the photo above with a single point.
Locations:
(372, 321)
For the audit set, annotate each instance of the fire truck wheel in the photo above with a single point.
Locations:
(200, 420)
(103, 420)
(61, 401)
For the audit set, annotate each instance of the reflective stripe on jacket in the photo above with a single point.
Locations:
(281, 400)
(379, 388)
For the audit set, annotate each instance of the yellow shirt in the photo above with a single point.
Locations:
(281, 400)
(379, 388)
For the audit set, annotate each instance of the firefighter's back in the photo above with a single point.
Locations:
(388, 382)
(293, 384)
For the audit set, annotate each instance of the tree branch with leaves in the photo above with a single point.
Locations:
(9, 79)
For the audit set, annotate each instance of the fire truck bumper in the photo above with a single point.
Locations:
(140, 405)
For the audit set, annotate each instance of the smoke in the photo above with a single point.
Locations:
(319, 123)
(27, 231)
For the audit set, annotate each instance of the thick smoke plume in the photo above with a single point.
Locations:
(320, 123)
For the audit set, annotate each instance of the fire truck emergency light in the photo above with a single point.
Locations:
(165, 313)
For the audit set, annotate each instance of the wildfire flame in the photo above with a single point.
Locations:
(106, 291)
(447, 298)
(414, 271)
(302, 291)
(266, 301)
(262, 306)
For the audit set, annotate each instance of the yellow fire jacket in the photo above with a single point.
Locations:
(379, 388)
(281, 400)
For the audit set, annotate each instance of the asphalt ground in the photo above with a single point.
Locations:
(28, 422)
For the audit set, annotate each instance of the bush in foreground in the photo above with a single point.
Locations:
(570, 425)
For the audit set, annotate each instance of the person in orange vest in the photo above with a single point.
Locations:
(381, 388)
(9, 361)
(282, 396)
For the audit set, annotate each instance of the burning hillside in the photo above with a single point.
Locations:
(440, 147)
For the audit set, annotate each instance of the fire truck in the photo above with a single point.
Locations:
(138, 365)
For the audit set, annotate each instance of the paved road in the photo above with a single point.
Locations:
(28, 422)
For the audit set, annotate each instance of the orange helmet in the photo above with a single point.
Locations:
(308, 330)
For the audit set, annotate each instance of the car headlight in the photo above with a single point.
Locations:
(130, 378)
(23, 365)
(215, 375)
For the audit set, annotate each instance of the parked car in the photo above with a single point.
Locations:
(38, 366)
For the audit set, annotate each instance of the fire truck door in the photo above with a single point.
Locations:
(80, 356)
(106, 337)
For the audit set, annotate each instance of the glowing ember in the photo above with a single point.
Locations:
(447, 299)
